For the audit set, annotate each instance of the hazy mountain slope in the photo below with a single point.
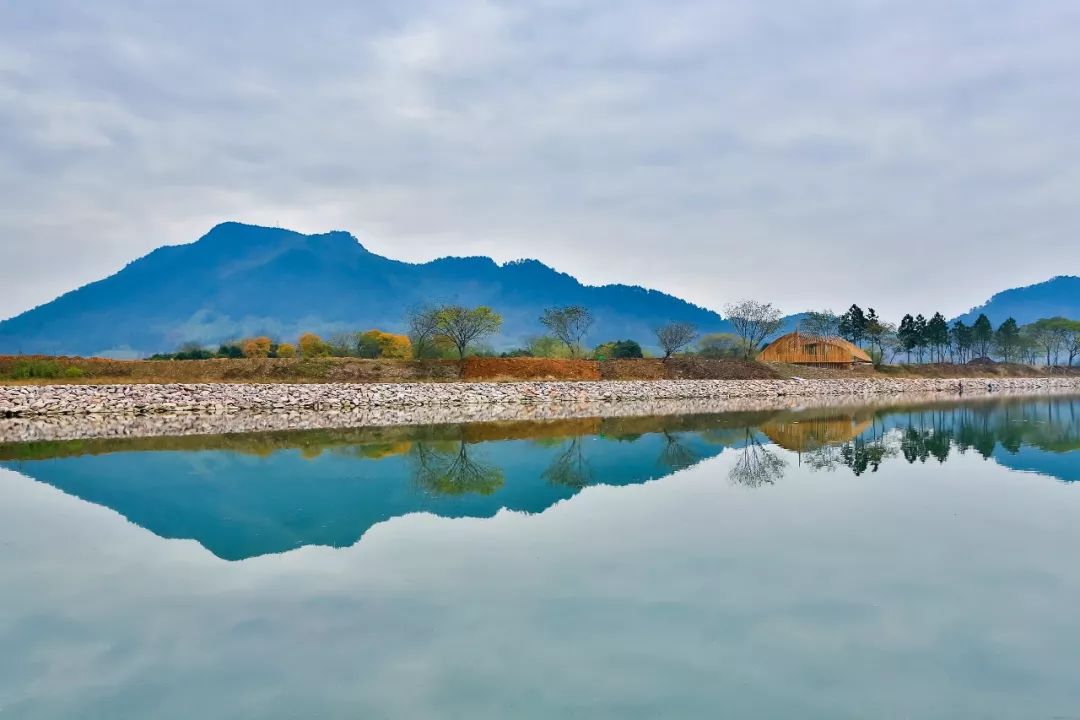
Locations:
(1057, 296)
(241, 279)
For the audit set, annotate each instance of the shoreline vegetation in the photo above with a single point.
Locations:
(447, 343)
(49, 370)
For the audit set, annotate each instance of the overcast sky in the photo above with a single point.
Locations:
(912, 155)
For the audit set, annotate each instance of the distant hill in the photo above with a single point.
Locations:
(240, 280)
(1057, 296)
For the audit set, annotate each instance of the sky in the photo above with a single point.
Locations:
(910, 156)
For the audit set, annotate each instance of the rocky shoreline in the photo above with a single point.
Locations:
(139, 399)
(70, 412)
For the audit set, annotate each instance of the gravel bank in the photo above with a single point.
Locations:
(61, 400)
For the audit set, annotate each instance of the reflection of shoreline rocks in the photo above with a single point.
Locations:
(213, 398)
(143, 423)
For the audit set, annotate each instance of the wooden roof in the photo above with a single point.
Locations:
(812, 350)
(810, 433)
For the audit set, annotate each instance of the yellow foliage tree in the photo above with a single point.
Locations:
(396, 347)
(286, 350)
(256, 347)
(311, 345)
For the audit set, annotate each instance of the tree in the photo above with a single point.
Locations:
(1007, 339)
(1072, 340)
(937, 336)
(341, 344)
(421, 321)
(546, 346)
(919, 335)
(819, 324)
(721, 345)
(311, 346)
(230, 350)
(286, 350)
(256, 347)
(674, 336)
(852, 325)
(907, 335)
(461, 326)
(753, 321)
(982, 336)
(877, 331)
(961, 338)
(618, 350)
(379, 344)
(1051, 335)
(569, 324)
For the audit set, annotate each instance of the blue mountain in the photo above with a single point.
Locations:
(240, 280)
(1058, 296)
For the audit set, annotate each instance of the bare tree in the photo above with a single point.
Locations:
(753, 322)
(757, 465)
(569, 324)
(820, 325)
(571, 467)
(422, 329)
(674, 336)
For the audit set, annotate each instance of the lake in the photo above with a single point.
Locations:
(908, 562)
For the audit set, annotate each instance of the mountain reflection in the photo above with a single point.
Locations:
(242, 495)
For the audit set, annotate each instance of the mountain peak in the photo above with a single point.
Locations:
(239, 280)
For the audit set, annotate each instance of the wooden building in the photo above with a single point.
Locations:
(812, 350)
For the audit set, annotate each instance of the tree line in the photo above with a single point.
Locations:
(455, 331)
(1050, 341)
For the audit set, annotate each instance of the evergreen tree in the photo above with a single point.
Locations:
(982, 336)
(961, 337)
(853, 325)
(875, 333)
(907, 335)
(919, 335)
(1007, 339)
(937, 335)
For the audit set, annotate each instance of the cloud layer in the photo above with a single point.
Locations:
(907, 155)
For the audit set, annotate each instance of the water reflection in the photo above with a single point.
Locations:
(243, 495)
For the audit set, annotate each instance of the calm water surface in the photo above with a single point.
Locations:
(909, 563)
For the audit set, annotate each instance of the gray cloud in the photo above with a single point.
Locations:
(916, 155)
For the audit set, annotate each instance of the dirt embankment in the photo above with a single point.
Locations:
(51, 370)
(25, 369)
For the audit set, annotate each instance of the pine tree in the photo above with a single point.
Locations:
(937, 335)
(919, 335)
(961, 340)
(853, 325)
(907, 336)
(1007, 339)
(982, 336)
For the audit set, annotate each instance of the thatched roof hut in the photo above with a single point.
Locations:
(813, 350)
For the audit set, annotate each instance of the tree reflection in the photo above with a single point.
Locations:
(570, 467)
(447, 468)
(757, 464)
(676, 455)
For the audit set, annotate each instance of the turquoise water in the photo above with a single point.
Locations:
(917, 562)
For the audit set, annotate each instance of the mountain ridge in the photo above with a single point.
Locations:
(240, 279)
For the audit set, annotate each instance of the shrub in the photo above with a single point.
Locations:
(30, 369)
(286, 350)
(618, 350)
(721, 345)
(230, 350)
(311, 346)
(257, 347)
(379, 344)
